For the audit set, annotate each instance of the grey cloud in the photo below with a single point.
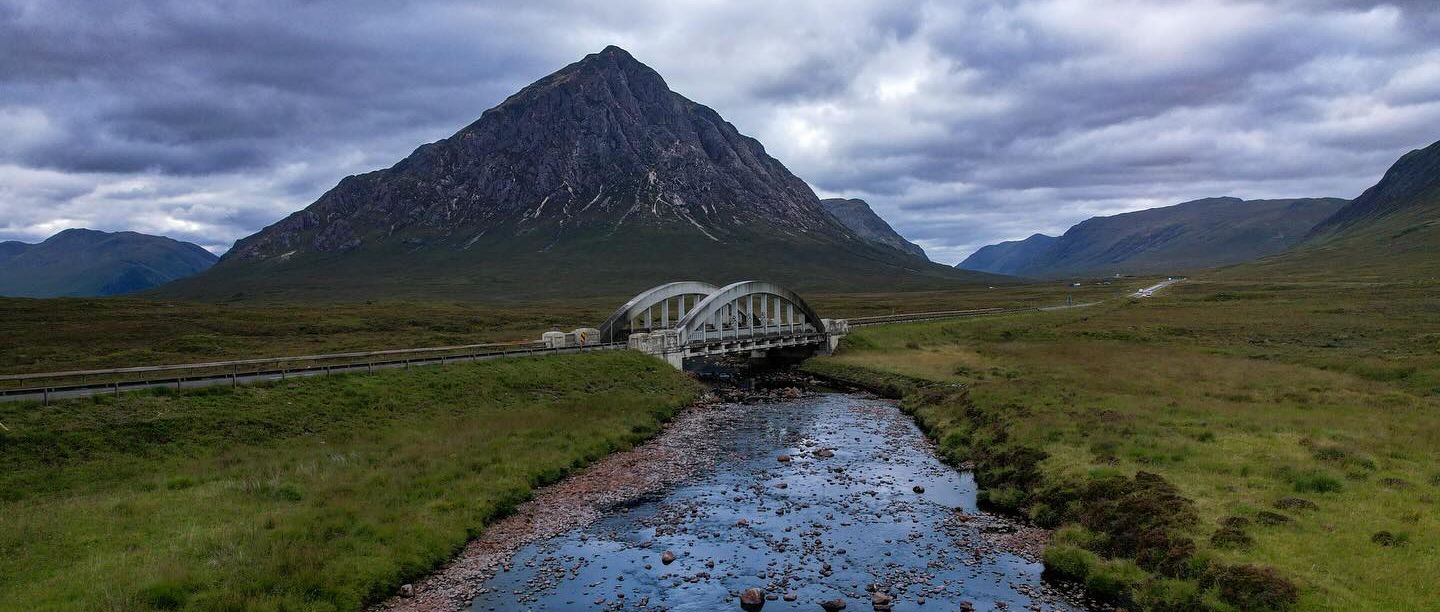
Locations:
(963, 123)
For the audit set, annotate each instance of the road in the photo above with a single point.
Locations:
(1149, 291)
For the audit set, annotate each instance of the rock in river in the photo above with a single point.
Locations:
(752, 599)
(831, 605)
(667, 557)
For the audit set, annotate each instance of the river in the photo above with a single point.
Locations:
(861, 506)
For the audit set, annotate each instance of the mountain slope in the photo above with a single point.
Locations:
(855, 214)
(595, 180)
(82, 262)
(1389, 233)
(1184, 237)
(1009, 255)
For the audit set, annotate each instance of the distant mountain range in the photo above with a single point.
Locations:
(1174, 239)
(82, 262)
(856, 215)
(1391, 233)
(595, 180)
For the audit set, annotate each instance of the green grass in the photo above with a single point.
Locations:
(318, 494)
(86, 333)
(1237, 392)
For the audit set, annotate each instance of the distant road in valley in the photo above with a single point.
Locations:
(1149, 291)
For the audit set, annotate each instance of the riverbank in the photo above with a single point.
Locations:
(685, 447)
(1292, 457)
(310, 494)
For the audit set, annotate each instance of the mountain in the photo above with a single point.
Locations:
(1190, 236)
(1009, 255)
(82, 262)
(594, 180)
(1391, 232)
(855, 214)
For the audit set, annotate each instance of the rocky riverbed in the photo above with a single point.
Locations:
(797, 501)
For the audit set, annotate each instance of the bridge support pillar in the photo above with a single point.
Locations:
(674, 359)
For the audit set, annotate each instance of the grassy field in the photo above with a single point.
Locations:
(75, 333)
(317, 494)
(1238, 394)
(84, 333)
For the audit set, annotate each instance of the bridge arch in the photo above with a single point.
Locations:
(655, 306)
(748, 308)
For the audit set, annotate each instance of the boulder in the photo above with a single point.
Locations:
(882, 602)
(752, 599)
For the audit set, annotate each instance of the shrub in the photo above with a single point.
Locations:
(1385, 538)
(1044, 515)
(1238, 522)
(1311, 481)
(1252, 587)
(1003, 498)
(1168, 595)
(1266, 517)
(1137, 516)
(1073, 535)
(1231, 538)
(1295, 503)
(1114, 580)
(1069, 562)
(1317, 483)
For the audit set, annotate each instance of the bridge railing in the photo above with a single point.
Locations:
(709, 333)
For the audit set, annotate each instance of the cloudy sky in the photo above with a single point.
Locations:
(962, 123)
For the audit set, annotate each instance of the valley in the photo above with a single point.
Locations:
(497, 335)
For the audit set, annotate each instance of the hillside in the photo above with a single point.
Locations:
(1390, 233)
(1184, 237)
(1009, 255)
(856, 215)
(82, 262)
(595, 180)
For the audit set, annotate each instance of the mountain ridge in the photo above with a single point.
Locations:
(80, 262)
(1390, 233)
(856, 215)
(1183, 237)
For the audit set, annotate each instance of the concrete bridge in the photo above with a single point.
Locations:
(689, 319)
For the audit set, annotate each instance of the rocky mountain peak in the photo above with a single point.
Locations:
(600, 146)
(596, 179)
